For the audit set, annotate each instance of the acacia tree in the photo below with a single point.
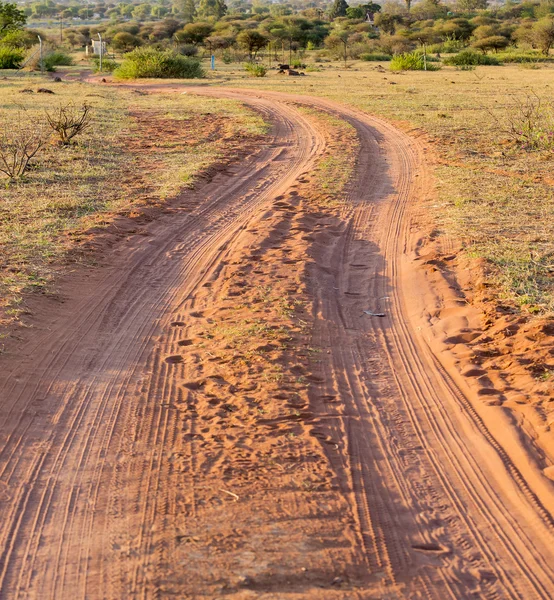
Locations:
(252, 41)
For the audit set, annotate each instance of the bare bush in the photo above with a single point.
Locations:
(529, 122)
(69, 120)
(20, 140)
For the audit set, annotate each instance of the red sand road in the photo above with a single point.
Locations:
(101, 495)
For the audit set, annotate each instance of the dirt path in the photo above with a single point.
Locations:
(113, 486)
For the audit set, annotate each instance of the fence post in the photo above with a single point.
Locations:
(101, 52)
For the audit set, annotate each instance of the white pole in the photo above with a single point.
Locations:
(100, 38)
(40, 48)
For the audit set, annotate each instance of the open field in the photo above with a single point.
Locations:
(295, 349)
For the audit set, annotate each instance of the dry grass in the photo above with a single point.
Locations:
(495, 196)
(127, 158)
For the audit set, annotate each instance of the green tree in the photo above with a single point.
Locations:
(11, 18)
(252, 41)
(543, 34)
(338, 9)
(212, 8)
(125, 41)
(494, 42)
(194, 33)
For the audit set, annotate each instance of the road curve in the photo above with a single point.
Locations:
(439, 509)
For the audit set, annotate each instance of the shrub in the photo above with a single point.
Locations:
(529, 121)
(20, 140)
(57, 58)
(375, 57)
(108, 66)
(470, 57)
(69, 120)
(255, 70)
(187, 50)
(412, 61)
(10, 58)
(297, 64)
(164, 64)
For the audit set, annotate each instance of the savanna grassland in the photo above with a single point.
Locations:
(491, 192)
(136, 153)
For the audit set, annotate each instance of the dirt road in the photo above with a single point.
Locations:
(117, 482)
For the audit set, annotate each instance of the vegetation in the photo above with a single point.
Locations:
(470, 58)
(413, 61)
(10, 58)
(150, 62)
(68, 121)
(255, 70)
(240, 30)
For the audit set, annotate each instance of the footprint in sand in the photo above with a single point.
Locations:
(174, 359)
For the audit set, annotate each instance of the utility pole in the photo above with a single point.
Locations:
(61, 29)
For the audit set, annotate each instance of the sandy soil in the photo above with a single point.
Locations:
(250, 401)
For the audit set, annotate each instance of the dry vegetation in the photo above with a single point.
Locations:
(493, 193)
(138, 151)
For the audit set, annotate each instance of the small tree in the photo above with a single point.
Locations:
(494, 42)
(543, 34)
(69, 120)
(252, 41)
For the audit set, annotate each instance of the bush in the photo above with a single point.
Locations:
(158, 64)
(529, 122)
(69, 121)
(108, 66)
(255, 70)
(10, 58)
(375, 57)
(57, 58)
(20, 140)
(187, 50)
(297, 64)
(470, 58)
(412, 61)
